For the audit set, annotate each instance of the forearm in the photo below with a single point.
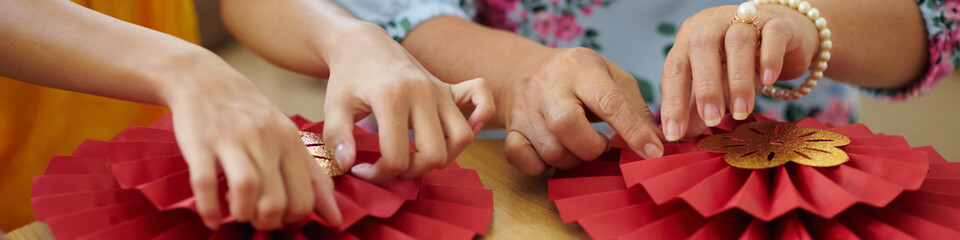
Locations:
(63, 45)
(876, 44)
(300, 35)
(455, 49)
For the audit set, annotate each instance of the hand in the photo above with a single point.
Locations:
(548, 113)
(695, 64)
(223, 122)
(372, 72)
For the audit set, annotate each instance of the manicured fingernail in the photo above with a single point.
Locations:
(768, 77)
(343, 156)
(740, 109)
(363, 170)
(672, 131)
(711, 114)
(652, 151)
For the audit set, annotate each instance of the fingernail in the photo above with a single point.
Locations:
(740, 109)
(476, 127)
(768, 77)
(672, 131)
(363, 170)
(711, 115)
(342, 155)
(652, 151)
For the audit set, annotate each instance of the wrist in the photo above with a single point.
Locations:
(185, 74)
(339, 39)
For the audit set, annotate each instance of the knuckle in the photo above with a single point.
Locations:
(768, 61)
(434, 158)
(564, 120)
(552, 155)
(512, 152)
(273, 208)
(742, 38)
(670, 106)
(773, 27)
(514, 147)
(674, 67)
(393, 91)
(203, 181)
(580, 52)
(706, 89)
(460, 138)
(480, 84)
(738, 76)
(636, 138)
(581, 56)
(593, 151)
(700, 40)
(298, 211)
(246, 184)
(610, 101)
(395, 166)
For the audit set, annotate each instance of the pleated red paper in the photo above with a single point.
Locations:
(884, 191)
(879, 169)
(136, 186)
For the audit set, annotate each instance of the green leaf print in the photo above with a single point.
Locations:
(666, 50)
(646, 89)
(405, 24)
(795, 112)
(667, 29)
(757, 109)
(591, 33)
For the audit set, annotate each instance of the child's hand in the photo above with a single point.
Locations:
(547, 115)
(696, 64)
(375, 74)
(223, 123)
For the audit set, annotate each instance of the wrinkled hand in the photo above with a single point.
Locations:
(697, 65)
(377, 75)
(222, 122)
(550, 112)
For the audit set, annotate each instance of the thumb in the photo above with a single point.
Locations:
(338, 135)
(475, 92)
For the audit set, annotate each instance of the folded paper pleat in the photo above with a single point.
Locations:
(136, 186)
(885, 190)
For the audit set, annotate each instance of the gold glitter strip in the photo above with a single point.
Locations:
(316, 147)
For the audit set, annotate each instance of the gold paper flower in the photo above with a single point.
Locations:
(318, 149)
(767, 144)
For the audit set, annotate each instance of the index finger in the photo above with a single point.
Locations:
(392, 121)
(615, 98)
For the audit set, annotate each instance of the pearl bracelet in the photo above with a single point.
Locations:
(747, 10)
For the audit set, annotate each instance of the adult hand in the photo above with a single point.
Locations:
(548, 121)
(370, 72)
(223, 123)
(699, 81)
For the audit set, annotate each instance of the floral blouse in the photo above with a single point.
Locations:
(637, 35)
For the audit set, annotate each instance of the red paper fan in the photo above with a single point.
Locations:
(136, 186)
(607, 205)
(880, 167)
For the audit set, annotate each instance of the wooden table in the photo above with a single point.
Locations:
(521, 209)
